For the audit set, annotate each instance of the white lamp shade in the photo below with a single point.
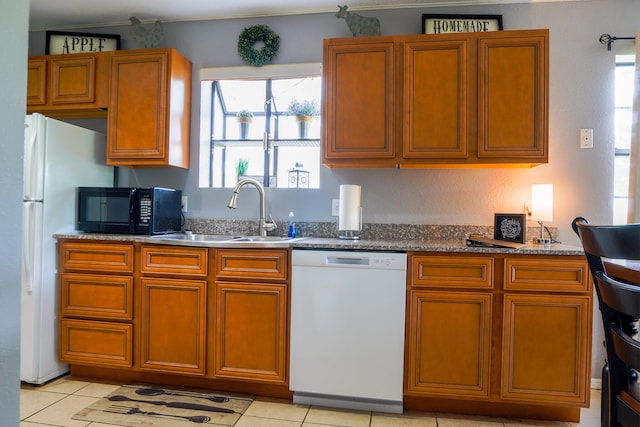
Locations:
(542, 202)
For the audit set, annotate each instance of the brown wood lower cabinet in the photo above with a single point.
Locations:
(509, 334)
(546, 349)
(96, 303)
(182, 315)
(249, 336)
(451, 333)
(172, 327)
(499, 334)
(251, 331)
(173, 309)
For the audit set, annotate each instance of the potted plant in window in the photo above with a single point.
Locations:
(304, 111)
(241, 168)
(244, 118)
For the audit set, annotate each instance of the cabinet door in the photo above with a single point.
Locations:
(37, 82)
(546, 349)
(449, 343)
(436, 98)
(172, 326)
(513, 96)
(73, 80)
(137, 121)
(251, 332)
(149, 108)
(359, 90)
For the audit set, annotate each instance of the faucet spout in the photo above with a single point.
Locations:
(264, 226)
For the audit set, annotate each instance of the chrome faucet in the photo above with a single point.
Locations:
(264, 225)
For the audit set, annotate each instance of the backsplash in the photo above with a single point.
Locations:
(370, 231)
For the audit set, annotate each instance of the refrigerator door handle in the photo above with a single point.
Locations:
(28, 243)
(33, 157)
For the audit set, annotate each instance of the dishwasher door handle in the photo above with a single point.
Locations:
(340, 260)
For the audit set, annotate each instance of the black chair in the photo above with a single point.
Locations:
(619, 300)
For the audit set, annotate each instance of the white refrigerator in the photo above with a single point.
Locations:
(58, 157)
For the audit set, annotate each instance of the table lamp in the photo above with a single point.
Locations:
(542, 208)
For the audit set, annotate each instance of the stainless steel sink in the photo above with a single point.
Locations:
(226, 240)
(264, 239)
(196, 237)
(258, 242)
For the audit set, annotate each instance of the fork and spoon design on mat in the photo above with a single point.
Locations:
(127, 410)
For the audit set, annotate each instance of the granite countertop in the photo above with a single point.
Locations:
(428, 245)
(398, 245)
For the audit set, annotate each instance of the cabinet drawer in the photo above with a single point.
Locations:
(548, 275)
(89, 342)
(106, 297)
(97, 257)
(173, 260)
(251, 264)
(452, 271)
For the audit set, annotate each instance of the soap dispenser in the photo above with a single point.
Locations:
(291, 230)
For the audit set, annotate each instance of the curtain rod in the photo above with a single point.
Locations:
(608, 39)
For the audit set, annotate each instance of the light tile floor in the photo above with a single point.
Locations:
(54, 404)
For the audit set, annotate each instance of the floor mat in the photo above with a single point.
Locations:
(150, 406)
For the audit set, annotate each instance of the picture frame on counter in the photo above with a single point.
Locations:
(61, 42)
(510, 227)
(446, 23)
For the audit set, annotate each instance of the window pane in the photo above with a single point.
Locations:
(623, 128)
(624, 85)
(621, 180)
(293, 158)
(624, 81)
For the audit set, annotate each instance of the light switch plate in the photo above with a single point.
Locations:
(185, 201)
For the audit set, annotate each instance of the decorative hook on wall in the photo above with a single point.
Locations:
(609, 39)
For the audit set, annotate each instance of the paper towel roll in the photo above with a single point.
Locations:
(349, 208)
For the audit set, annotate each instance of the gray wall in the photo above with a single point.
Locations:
(13, 78)
(581, 96)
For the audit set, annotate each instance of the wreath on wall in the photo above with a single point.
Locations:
(248, 38)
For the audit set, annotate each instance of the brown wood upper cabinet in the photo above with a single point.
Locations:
(149, 108)
(428, 100)
(69, 85)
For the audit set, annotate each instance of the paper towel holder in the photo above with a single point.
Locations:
(351, 234)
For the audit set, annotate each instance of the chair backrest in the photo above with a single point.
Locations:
(609, 241)
(619, 304)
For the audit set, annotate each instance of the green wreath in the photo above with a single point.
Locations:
(249, 36)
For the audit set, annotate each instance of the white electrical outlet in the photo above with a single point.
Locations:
(335, 207)
(185, 201)
(586, 138)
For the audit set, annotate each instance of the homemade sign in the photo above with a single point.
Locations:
(64, 42)
(442, 24)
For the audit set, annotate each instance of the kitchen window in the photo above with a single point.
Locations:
(247, 131)
(624, 75)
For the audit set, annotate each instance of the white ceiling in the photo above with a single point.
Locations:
(65, 14)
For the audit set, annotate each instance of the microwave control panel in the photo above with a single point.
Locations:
(145, 209)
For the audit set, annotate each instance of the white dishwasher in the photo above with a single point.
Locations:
(347, 329)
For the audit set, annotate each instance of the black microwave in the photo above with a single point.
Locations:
(129, 210)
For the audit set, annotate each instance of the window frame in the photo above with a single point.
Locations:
(215, 74)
